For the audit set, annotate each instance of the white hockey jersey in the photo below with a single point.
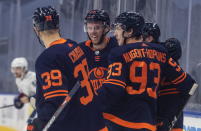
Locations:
(27, 84)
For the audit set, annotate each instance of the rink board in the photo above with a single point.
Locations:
(12, 119)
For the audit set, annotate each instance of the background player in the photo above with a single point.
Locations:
(25, 81)
(26, 84)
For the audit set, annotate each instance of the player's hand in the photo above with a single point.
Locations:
(17, 103)
(163, 125)
(24, 99)
(36, 125)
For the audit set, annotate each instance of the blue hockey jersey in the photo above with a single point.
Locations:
(129, 94)
(98, 61)
(57, 70)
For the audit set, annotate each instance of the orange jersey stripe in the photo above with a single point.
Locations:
(88, 43)
(164, 90)
(127, 124)
(176, 92)
(116, 81)
(60, 41)
(56, 95)
(104, 129)
(177, 129)
(178, 78)
(181, 79)
(52, 92)
(164, 83)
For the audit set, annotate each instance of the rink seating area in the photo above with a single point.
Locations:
(12, 119)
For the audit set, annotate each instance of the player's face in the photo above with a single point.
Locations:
(149, 39)
(17, 71)
(118, 33)
(95, 31)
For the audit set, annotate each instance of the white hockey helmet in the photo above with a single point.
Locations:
(19, 62)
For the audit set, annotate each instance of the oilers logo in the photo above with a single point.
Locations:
(97, 75)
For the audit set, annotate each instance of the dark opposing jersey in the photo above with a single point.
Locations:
(129, 94)
(57, 70)
(97, 61)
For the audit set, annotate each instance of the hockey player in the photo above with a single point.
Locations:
(151, 33)
(135, 69)
(97, 48)
(173, 47)
(57, 70)
(169, 96)
(25, 80)
(26, 84)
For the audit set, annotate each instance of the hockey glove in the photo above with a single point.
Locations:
(17, 103)
(163, 124)
(36, 125)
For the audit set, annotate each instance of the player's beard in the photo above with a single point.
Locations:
(17, 75)
(99, 41)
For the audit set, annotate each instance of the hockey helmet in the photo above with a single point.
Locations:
(151, 29)
(46, 18)
(19, 62)
(98, 15)
(130, 20)
(173, 46)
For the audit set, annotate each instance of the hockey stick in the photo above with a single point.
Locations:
(191, 92)
(6, 106)
(62, 106)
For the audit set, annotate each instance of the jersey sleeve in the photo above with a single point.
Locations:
(174, 93)
(32, 84)
(113, 87)
(175, 75)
